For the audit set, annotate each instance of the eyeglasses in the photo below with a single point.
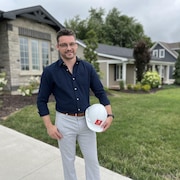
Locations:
(64, 45)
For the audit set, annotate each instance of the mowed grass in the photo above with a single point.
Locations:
(143, 142)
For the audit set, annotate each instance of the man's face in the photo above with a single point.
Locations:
(67, 47)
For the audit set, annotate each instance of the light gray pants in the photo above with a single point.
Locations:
(75, 129)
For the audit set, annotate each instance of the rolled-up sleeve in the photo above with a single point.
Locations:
(45, 90)
(98, 89)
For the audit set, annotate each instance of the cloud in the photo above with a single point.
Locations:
(159, 18)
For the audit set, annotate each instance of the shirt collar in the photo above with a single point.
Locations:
(62, 63)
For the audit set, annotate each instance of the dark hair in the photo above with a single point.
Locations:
(65, 32)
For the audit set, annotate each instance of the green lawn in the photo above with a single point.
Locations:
(143, 142)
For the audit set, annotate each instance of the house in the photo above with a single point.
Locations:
(117, 63)
(165, 56)
(28, 44)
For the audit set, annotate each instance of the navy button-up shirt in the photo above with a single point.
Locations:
(71, 90)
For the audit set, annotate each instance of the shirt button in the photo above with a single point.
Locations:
(75, 89)
(77, 99)
(73, 78)
(79, 109)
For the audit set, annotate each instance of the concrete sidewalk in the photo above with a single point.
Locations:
(25, 158)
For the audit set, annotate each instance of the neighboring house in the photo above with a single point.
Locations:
(117, 63)
(165, 56)
(28, 44)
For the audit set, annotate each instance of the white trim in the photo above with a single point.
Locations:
(167, 73)
(161, 63)
(161, 53)
(124, 68)
(113, 57)
(119, 72)
(105, 55)
(110, 61)
(155, 53)
(81, 44)
(107, 76)
(164, 48)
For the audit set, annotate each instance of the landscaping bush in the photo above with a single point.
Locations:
(27, 90)
(151, 78)
(137, 86)
(146, 87)
(3, 80)
(130, 86)
(121, 85)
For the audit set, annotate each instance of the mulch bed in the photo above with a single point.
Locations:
(11, 103)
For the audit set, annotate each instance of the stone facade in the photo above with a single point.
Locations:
(10, 49)
(4, 50)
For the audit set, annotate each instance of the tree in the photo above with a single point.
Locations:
(142, 57)
(122, 30)
(81, 27)
(113, 29)
(89, 51)
(176, 74)
(96, 23)
(78, 26)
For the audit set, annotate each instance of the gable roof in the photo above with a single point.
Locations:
(170, 47)
(111, 51)
(174, 46)
(126, 54)
(36, 13)
(115, 50)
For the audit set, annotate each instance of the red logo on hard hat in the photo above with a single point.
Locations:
(98, 122)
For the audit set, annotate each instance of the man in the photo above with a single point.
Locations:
(69, 80)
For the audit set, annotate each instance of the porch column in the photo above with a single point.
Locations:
(107, 75)
(124, 72)
(167, 74)
(160, 71)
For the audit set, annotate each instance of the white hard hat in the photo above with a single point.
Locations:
(95, 115)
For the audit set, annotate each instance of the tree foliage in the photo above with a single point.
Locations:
(78, 26)
(96, 22)
(176, 74)
(89, 51)
(142, 57)
(122, 30)
(113, 28)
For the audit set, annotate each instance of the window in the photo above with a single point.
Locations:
(118, 72)
(45, 54)
(24, 51)
(34, 54)
(155, 53)
(161, 53)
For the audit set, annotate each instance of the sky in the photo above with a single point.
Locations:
(160, 18)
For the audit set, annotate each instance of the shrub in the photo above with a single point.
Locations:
(130, 86)
(137, 86)
(146, 87)
(27, 90)
(3, 80)
(151, 78)
(121, 85)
